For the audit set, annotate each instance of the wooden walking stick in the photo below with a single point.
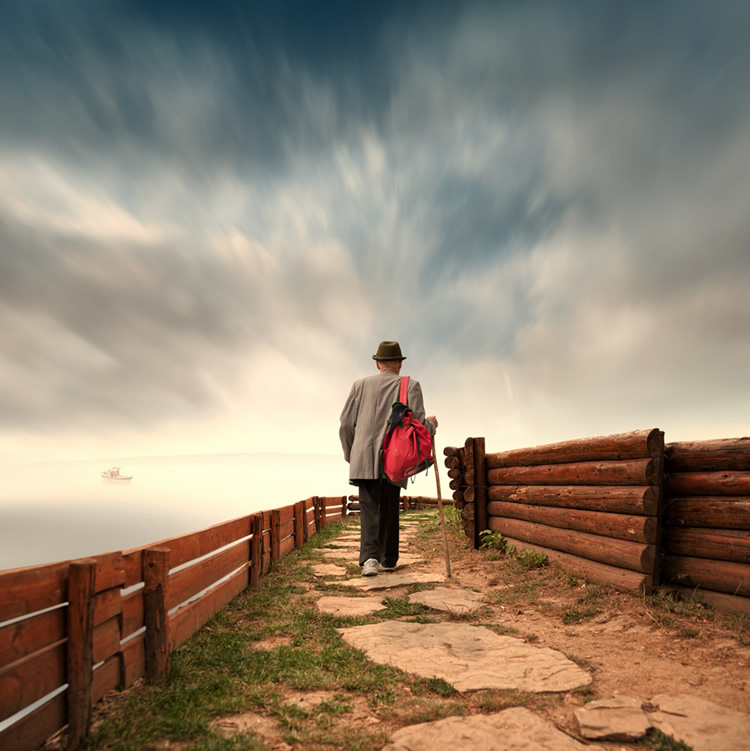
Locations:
(440, 508)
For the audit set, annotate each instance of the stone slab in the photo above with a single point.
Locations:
(341, 553)
(699, 723)
(349, 605)
(457, 601)
(468, 657)
(514, 729)
(387, 580)
(328, 569)
(406, 558)
(620, 718)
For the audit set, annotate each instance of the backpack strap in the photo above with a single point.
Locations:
(404, 390)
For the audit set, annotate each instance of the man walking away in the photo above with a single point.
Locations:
(363, 424)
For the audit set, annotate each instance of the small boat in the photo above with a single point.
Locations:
(113, 473)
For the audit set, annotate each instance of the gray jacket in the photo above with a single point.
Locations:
(364, 419)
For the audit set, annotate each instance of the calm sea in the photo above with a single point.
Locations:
(62, 510)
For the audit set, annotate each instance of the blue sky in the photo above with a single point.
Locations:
(211, 213)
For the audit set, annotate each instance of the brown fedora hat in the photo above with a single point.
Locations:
(388, 351)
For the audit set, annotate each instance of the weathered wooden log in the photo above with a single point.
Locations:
(450, 451)
(458, 495)
(630, 555)
(718, 512)
(455, 473)
(721, 576)
(468, 512)
(468, 446)
(640, 444)
(469, 528)
(619, 578)
(630, 472)
(620, 526)
(717, 600)
(452, 462)
(720, 544)
(619, 500)
(456, 484)
(459, 504)
(708, 483)
(469, 494)
(469, 475)
(708, 456)
(353, 505)
(417, 500)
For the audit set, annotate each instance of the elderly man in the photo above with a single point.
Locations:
(363, 425)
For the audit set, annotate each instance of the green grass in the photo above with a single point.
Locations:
(222, 671)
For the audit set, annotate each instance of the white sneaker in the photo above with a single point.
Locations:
(371, 567)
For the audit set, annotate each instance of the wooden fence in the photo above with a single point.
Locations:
(707, 520)
(417, 502)
(72, 631)
(598, 505)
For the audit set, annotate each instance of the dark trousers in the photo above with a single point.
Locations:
(379, 502)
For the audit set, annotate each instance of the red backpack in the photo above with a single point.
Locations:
(407, 444)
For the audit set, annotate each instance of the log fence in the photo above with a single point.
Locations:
(624, 509)
(707, 520)
(72, 631)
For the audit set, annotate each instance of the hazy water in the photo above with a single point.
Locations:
(62, 510)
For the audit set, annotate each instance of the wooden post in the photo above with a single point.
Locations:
(155, 568)
(323, 512)
(656, 452)
(256, 551)
(316, 513)
(478, 478)
(81, 577)
(275, 547)
(343, 507)
(299, 523)
(305, 526)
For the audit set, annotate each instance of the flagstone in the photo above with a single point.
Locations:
(349, 605)
(468, 657)
(392, 580)
(514, 729)
(340, 553)
(620, 718)
(699, 723)
(328, 569)
(452, 600)
(406, 558)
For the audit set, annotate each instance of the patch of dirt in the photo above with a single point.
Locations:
(243, 722)
(625, 647)
(271, 643)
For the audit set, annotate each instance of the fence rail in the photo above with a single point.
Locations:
(72, 631)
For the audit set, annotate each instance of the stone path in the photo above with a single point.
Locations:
(472, 658)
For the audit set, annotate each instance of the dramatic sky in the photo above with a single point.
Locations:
(212, 212)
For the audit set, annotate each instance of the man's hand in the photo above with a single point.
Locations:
(433, 420)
